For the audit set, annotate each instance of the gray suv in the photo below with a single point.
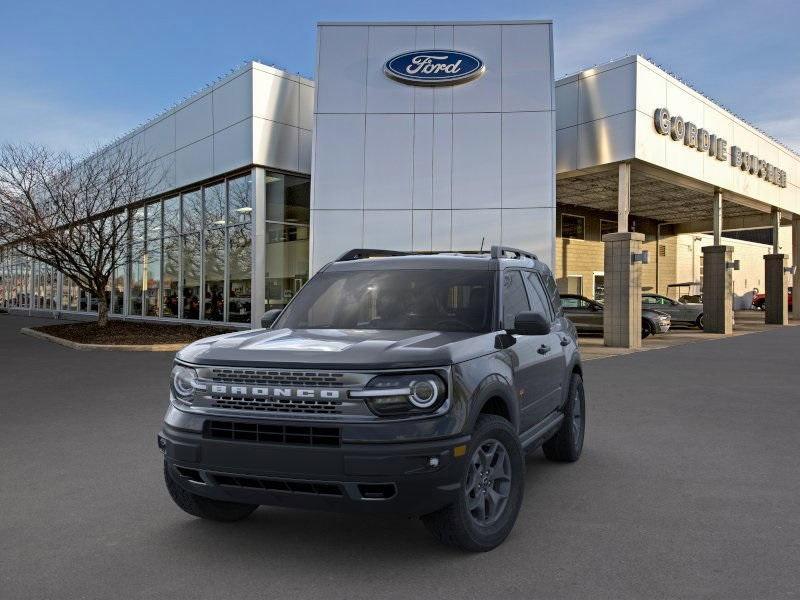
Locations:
(391, 383)
(681, 313)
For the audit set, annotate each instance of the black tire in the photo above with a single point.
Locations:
(457, 525)
(205, 508)
(647, 329)
(566, 445)
(699, 322)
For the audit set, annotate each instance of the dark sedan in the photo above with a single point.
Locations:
(587, 316)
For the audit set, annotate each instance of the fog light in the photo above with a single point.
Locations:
(433, 461)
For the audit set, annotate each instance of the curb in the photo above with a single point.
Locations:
(123, 347)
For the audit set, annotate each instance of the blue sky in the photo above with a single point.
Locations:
(75, 74)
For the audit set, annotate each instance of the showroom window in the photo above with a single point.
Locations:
(573, 227)
(607, 227)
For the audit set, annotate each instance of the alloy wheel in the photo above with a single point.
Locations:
(488, 482)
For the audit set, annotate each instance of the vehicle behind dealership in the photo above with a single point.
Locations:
(587, 316)
(391, 383)
(681, 313)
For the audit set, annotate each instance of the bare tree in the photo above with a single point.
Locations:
(70, 213)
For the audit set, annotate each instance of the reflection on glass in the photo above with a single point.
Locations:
(239, 209)
(153, 220)
(119, 290)
(172, 216)
(287, 263)
(152, 277)
(135, 279)
(214, 293)
(83, 298)
(137, 224)
(192, 211)
(74, 291)
(191, 276)
(170, 276)
(240, 273)
(215, 204)
(288, 198)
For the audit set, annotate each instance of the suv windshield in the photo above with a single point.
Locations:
(440, 300)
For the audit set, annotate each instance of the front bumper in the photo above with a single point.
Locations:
(663, 326)
(412, 478)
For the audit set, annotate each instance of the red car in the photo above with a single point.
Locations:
(760, 300)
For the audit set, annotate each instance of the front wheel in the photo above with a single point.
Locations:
(646, 329)
(491, 490)
(205, 508)
(700, 321)
(567, 444)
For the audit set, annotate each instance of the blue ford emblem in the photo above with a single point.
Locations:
(434, 67)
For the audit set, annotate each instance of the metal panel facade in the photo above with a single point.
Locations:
(433, 168)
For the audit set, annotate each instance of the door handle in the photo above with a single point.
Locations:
(543, 349)
(564, 340)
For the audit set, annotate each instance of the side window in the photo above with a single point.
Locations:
(552, 293)
(538, 296)
(515, 299)
(570, 303)
(649, 300)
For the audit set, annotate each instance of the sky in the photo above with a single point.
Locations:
(74, 75)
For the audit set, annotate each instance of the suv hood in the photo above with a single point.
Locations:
(338, 348)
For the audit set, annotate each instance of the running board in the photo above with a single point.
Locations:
(538, 433)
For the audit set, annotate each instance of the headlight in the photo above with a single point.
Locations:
(183, 379)
(400, 395)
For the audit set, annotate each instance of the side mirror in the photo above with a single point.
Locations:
(531, 323)
(270, 317)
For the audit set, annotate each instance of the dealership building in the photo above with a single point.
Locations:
(448, 136)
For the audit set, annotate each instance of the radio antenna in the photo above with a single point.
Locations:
(483, 239)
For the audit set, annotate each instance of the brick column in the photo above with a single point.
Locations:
(622, 312)
(776, 289)
(717, 290)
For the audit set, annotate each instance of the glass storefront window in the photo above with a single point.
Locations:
(119, 291)
(192, 211)
(239, 209)
(135, 282)
(169, 279)
(239, 274)
(153, 220)
(215, 209)
(137, 225)
(152, 278)
(172, 216)
(191, 276)
(214, 291)
(287, 263)
(288, 198)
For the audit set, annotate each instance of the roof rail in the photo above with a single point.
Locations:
(500, 251)
(359, 253)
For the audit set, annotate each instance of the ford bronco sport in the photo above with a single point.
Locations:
(390, 383)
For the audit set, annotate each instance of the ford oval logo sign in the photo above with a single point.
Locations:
(434, 67)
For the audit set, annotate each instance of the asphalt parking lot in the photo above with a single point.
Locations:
(688, 488)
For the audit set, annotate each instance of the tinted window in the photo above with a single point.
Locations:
(649, 300)
(574, 303)
(537, 295)
(515, 299)
(395, 299)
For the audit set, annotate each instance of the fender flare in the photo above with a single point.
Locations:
(494, 386)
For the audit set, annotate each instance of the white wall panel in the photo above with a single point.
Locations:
(567, 105)
(276, 98)
(482, 94)
(607, 93)
(531, 229)
(441, 230)
(421, 230)
(159, 138)
(443, 37)
(389, 229)
(233, 101)
(276, 145)
(334, 232)
(306, 108)
(651, 90)
(233, 146)
(389, 170)
(442, 161)
(342, 69)
(423, 96)
(423, 163)
(527, 165)
(385, 95)
(472, 226)
(305, 149)
(339, 162)
(476, 160)
(194, 121)
(606, 140)
(566, 149)
(526, 73)
(194, 162)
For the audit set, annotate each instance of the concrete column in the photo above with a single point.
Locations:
(776, 231)
(717, 217)
(623, 197)
(259, 246)
(776, 289)
(622, 313)
(796, 263)
(717, 290)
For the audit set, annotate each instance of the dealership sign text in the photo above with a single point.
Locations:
(706, 142)
(434, 67)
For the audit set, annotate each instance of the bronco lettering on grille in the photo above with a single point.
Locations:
(260, 391)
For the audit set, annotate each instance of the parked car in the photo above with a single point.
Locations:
(760, 300)
(391, 383)
(681, 313)
(587, 316)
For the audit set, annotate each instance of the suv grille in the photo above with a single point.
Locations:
(269, 377)
(283, 405)
(279, 485)
(272, 434)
